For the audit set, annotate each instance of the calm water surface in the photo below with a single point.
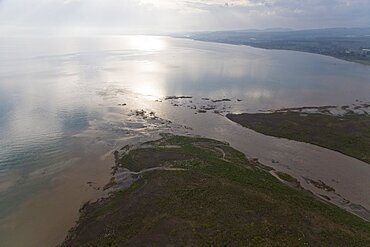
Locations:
(54, 89)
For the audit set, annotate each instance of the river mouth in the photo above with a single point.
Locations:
(55, 208)
(61, 123)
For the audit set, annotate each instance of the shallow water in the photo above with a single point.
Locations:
(347, 176)
(59, 116)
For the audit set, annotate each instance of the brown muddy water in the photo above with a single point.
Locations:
(67, 103)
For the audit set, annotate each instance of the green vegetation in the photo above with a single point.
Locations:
(364, 62)
(145, 158)
(219, 199)
(348, 134)
(348, 49)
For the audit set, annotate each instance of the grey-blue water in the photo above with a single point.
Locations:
(53, 88)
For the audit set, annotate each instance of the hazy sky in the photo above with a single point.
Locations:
(151, 16)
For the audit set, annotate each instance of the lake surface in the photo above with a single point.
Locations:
(60, 117)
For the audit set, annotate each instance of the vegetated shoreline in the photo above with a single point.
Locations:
(347, 133)
(354, 60)
(208, 193)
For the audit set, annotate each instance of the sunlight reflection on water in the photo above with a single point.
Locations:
(53, 88)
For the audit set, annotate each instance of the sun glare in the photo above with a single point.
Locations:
(147, 43)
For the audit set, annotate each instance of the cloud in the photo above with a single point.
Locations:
(149, 16)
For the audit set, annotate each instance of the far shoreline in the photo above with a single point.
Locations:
(355, 61)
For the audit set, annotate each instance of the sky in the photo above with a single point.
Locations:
(168, 16)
